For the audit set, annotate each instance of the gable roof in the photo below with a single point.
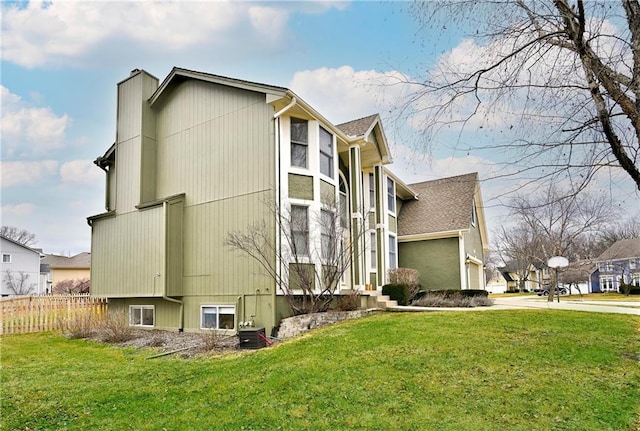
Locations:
(443, 205)
(623, 249)
(21, 245)
(359, 127)
(81, 260)
(178, 75)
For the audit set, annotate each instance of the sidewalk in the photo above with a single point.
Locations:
(569, 303)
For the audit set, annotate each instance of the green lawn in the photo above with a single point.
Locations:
(490, 370)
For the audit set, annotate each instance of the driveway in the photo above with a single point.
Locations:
(569, 303)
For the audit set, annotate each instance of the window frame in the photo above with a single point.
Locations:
(6, 255)
(299, 144)
(142, 307)
(372, 191)
(294, 231)
(326, 221)
(391, 195)
(218, 313)
(393, 252)
(323, 154)
(374, 250)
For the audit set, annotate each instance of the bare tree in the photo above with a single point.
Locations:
(519, 249)
(72, 287)
(559, 79)
(21, 236)
(310, 257)
(554, 225)
(18, 284)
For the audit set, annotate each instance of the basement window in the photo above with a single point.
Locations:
(141, 315)
(217, 317)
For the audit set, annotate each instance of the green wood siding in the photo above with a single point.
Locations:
(210, 267)
(437, 262)
(300, 187)
(393, 224)
(214, 142)
(473, 243)
(127, 253)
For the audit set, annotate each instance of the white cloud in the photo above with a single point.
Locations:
(343, 94)
(74, 32)
(18, 210)
(25, 173)
(81, 172)
(28, 129)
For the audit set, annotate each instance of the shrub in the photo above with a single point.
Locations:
(407, 276)
(79, 326)
(116, 329)
(211, 339)
(397, 292)
(348, 302)
(629, 289)
(467, 293)
(452, 299)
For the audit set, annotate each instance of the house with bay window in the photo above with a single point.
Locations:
(619, 263)
(197, 156)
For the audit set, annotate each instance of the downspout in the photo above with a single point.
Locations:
(276, 138)
(165, 206)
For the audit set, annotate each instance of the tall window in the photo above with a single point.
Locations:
(374, 251)
(474, 214)
(217, 316)
(372, 191)
(392, 252)
(300, 229)
(344, 206)
(299, 142)
(141, 315)
(326, 231)
(391, 195)
(326, 153)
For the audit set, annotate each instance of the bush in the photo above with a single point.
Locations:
(628, 289)
(79, 326)
(348, 302)
(116, 328)
(452, 299)
(467, 293)
(407, 276)
(397, 292)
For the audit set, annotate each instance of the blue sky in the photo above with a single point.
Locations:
(61, 62)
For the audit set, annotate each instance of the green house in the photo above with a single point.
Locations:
(443, 233)
(198, 156)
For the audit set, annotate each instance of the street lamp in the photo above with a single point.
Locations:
(555, 263)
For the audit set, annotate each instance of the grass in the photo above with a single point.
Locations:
(515, 370)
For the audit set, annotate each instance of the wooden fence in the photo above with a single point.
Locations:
(23, 314)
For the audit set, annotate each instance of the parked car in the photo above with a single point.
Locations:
(546, 290)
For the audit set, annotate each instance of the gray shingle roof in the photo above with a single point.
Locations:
(357, 127)
(623, 249)
(443, 205)
(82, 260)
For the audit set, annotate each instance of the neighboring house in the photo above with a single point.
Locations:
(63, 268)
(620, 262)
(496, 282)
(196, 157)
(21, 264)
(442, 233)
(527, 277)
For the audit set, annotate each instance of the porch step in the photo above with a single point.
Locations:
(375, 298)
